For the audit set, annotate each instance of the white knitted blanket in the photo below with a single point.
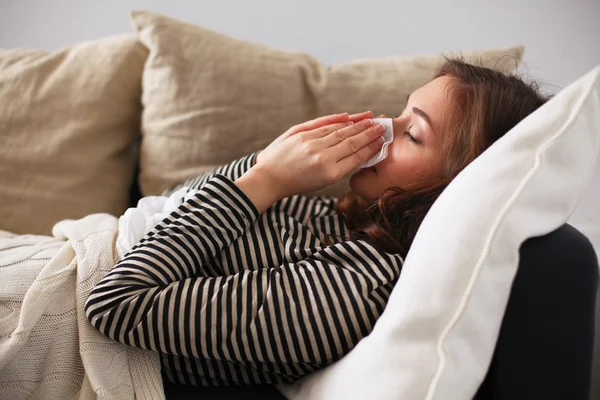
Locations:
(48, 349)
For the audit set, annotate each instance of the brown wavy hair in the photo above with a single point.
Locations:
(486, 104)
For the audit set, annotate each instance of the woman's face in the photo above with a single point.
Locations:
(414, 156)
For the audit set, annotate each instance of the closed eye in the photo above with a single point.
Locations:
(410, 137)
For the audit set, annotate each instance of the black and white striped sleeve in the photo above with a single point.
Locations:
(233, 171)
(310, 312)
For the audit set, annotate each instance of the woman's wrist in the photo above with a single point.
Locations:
(259, 188)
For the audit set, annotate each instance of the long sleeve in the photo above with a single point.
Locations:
(232, 170)
(309, 312)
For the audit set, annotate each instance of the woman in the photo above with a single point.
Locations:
(252, 282)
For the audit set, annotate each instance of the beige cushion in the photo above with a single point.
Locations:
(69, 123)
(209, 98)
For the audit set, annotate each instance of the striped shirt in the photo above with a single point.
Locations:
(229, 296)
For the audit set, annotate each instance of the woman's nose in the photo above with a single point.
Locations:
(398, 124)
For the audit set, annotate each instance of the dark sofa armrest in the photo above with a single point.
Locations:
(545, 346)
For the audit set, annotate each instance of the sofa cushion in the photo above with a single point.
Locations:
(69, 126)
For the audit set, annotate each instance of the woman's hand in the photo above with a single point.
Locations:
(314, 124)
(318, 153)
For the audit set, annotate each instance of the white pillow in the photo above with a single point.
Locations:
(437, 335)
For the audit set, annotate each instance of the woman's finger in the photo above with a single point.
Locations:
(319, 122)
(353, 143)
(353, 160)
(340, 135)
(360, 116)
(382, 116)
(326, 130)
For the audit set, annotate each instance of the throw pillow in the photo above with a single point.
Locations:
(69, 126)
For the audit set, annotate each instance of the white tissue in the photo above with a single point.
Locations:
(388, 136)
(150, 210)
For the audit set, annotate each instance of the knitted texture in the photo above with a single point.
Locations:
(48, 349)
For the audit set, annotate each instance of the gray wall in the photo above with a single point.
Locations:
(562, 38)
